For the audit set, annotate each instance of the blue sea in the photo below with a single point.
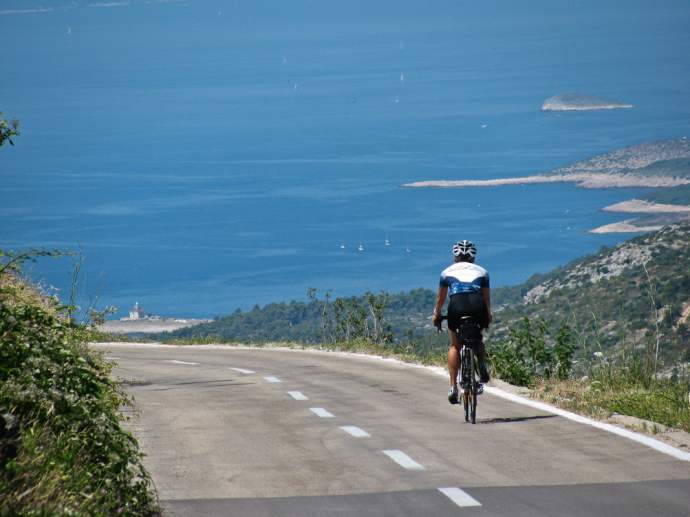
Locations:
(212, 155)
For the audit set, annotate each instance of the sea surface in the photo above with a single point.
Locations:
(212, 155)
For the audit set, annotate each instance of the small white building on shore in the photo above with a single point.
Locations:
(137, 312)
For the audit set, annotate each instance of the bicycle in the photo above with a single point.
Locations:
(469, 336)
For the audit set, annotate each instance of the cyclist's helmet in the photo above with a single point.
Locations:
(465, 249)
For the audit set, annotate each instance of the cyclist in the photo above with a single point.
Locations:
(470, 295)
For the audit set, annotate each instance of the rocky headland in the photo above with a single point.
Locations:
(661, 164)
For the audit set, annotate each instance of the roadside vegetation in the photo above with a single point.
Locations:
(62, 448)
(8, 130)
(633, 382)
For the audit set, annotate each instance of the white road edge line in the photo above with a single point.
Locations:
(297, 395)
(272, 379)
(175, 361)
(459, 497)
(403, 459)
(321, 412)
(355, 431)
(636, 437)
(243, 370)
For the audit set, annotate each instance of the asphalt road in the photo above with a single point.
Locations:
(263, 432)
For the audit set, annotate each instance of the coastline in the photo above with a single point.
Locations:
(555, 107)
(146, 326)
(626, 226)
(640, 206)
(585, 180)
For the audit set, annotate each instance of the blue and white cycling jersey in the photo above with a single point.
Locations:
(464, 278)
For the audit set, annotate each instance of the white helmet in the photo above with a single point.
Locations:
(464, 248)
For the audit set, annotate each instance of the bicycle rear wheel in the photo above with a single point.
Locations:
(473, 389)
(466, 404)
(465, 365)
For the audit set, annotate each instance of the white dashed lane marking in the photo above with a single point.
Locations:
(243, 370)
(459, 497)
(272, 379)
(175, 361)
(355, 431)
(297, 395)
(321, 412)
(403, 459)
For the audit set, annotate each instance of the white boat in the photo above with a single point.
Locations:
(342, 245)
(360, 247)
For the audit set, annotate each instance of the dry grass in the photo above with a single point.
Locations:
(664, 401)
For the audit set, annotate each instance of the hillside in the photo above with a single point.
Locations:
(618, 296)
(667, 158)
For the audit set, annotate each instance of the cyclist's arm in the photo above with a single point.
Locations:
(486, 293)
(440, 300)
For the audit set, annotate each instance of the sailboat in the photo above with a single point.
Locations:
(387, 242)
(360, 247)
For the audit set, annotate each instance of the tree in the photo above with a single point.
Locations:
(8, 129)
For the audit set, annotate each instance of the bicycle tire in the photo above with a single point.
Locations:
(473, 389)
(466, 405)
(473, 409)
(466, 379)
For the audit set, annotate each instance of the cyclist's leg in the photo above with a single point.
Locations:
(453, 358)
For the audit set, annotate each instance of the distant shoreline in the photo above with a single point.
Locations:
(593, 181)
(660, 164)
(588, 108)
(640, 206)
(626, 226)
(584, 180)
(581, 102)
(146, 326)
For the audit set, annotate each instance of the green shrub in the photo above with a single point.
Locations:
(529, 352)
(62, 450)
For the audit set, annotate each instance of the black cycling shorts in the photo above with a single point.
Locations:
(466, 304)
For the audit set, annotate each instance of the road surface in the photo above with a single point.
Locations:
(263, 432)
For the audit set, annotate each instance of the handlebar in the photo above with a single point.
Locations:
(439, 327)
